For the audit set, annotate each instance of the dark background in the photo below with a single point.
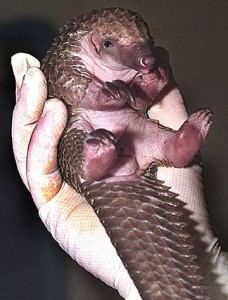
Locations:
(32, 266)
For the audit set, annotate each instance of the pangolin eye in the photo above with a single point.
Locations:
(108, 44)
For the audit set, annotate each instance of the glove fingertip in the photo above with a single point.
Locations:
(20, 63)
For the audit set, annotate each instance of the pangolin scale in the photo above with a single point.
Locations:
(148, 225)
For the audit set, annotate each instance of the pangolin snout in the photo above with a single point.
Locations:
(145, 57)
(147, 62)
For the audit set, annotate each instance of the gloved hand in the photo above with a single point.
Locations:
(37, 127)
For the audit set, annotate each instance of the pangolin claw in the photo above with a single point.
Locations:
(100, 136)
(125, 88)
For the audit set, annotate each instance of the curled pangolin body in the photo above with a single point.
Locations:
(147, 224)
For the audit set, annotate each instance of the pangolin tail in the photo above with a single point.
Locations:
(153, 235)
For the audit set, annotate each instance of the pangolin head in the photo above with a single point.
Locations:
(121, 24)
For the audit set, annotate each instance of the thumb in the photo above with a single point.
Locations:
(21, 62)
(44, 178)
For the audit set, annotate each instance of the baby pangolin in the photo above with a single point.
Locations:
(105, 68)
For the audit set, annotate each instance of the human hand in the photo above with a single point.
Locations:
(37, 127)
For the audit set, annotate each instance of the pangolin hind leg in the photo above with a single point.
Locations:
(182, 147)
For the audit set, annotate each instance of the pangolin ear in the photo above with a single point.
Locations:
(96, 40)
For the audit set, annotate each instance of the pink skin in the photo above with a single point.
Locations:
(135, 142)
(121, 143)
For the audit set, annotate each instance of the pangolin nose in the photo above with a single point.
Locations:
(147, 62)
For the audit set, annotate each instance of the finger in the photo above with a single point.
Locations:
(21, 62)
(31, 98)
(44, 178)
